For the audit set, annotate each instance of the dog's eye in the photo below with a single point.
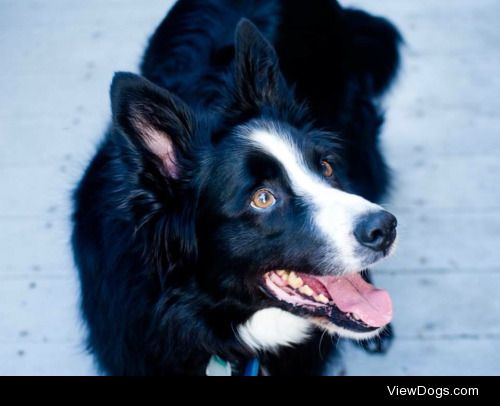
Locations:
(327, 169)
(263, 199)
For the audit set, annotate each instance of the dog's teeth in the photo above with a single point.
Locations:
(321, 298)
(295, 281)
(306, 290)
(283, 275)
(354, 316)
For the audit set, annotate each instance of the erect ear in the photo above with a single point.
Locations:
(257, 75)
(152, 119)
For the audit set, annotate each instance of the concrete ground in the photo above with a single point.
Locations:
(442, 140)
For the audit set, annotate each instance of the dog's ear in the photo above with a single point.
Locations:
(257, 76)
(152, 119)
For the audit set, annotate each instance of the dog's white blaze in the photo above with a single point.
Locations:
(270, 328)
(335, 211)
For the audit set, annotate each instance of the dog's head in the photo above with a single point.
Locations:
(249, 199)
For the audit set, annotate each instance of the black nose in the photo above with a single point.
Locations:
(376, 230)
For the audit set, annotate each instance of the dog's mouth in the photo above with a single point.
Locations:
(347, 302)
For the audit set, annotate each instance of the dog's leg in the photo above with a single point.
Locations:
(308, 358)
(380, 344)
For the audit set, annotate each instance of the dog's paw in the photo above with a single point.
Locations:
(380, 344)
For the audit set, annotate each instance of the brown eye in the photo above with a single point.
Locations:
(263, 199)
(327, 169)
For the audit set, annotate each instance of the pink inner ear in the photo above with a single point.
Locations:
(160, 144)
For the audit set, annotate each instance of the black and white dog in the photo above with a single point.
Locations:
(226, 211)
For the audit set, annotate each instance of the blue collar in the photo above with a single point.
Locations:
(252, 367)
(219, 367)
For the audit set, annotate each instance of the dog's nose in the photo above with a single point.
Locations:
(376, 230)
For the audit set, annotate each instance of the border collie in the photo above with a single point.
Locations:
(226, 213)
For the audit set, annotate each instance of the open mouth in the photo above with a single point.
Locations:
(348, 301)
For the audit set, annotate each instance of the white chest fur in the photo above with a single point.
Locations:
(271, 328)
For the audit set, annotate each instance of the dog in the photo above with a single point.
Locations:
(226, 214)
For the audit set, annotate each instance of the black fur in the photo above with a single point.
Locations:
(165, 272)
(340, 61)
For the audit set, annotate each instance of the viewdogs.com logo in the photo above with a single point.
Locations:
(434, 392)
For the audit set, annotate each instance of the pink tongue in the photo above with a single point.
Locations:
(352, 294)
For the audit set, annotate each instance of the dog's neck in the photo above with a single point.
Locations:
(271, 328)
